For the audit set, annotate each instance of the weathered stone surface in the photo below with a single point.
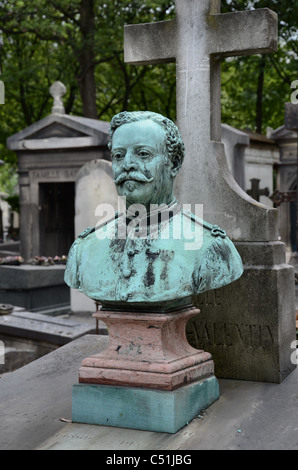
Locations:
(94, 186)
(147, 350)
(249, 327)
(34, 287)
(291, 116)
(235, 142)
(287, 184)
(197, 39)
(37, 327)
(264, 296)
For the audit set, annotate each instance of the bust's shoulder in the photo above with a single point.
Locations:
(93, 232)
(86, 233)
(214, 231)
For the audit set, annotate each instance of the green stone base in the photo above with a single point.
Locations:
(144, 409)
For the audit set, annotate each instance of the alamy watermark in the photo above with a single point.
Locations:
(294, 95)
(2, 353)
(2, 92)
(137, 222)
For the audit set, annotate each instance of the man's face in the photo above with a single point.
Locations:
(141, 167)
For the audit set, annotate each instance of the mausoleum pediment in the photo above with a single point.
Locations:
(281, 133)
(61, 131)
(56, 130)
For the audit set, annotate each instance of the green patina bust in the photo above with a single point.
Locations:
(154, 252)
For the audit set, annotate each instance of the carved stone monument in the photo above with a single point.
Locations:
(143, 266)
(247, 327)
(57, 91)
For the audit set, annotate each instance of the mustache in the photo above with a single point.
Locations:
(132, 176)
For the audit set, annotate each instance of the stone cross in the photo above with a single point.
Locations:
(197, 39)
(57, 91)
(255, 192)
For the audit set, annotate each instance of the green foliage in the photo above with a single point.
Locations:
(81, 44)
(269, 75)
(8, 179)
(14, 202)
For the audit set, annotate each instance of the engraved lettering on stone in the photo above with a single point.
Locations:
(231, 335)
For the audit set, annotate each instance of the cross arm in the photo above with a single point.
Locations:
(244, 33)
(150, 43)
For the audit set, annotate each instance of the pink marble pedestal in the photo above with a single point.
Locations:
(147, 350)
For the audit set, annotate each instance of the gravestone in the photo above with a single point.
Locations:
(35, 288)
(291, 123)
(250, 156)
(5, 210)
(256, 192)
(249, 326)
(94, 186)
(235, 142)
(285, 196)
(261, 158)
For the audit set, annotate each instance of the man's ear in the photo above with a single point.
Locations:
(175, 168)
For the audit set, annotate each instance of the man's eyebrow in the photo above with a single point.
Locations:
(144, 145)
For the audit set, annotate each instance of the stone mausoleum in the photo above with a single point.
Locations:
(50, 154)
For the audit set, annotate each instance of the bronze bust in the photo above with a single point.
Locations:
(148, 260)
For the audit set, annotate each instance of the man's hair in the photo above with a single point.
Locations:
(173, 140)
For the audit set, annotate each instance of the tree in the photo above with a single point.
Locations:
(81, 43)
(255, 88)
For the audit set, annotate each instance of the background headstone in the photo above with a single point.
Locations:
(286, 192)
(235, 142)
(94, 186)
(5, 212)
(261, 157)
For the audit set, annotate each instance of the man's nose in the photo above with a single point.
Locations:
(130, 162)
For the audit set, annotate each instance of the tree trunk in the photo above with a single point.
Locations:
(259, 104)
(87, 60)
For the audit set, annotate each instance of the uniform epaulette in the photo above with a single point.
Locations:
(90, 230)
(214, 229)
(86, 232)
(193, 217)
(218, 232)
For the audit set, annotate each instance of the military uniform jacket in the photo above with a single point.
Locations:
(153, 269)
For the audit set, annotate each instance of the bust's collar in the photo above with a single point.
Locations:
(155, 213)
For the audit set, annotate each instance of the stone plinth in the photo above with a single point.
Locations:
(147, 350)
(149, 366)
(138, 408)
